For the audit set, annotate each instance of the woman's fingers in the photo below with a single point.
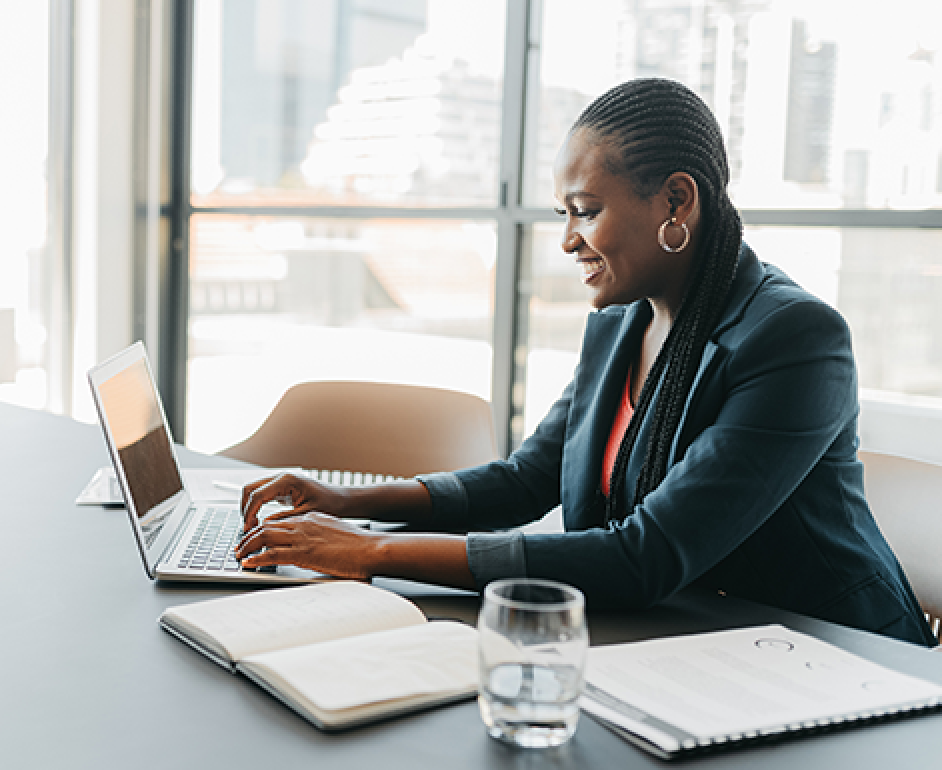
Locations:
(314, 541)
(289, 513)
(286, 488)
(271, 532)
(269, 557)
(262, 537)
(248, 489)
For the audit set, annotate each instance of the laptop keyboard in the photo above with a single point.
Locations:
(210, 547)
(351, 478)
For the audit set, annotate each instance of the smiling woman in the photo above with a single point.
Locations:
(709, 434)
(606, 223)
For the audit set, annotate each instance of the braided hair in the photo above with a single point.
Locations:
(654, 128)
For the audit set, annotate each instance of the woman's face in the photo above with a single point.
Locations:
(610, 230)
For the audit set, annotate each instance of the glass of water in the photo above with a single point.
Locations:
(532, 650)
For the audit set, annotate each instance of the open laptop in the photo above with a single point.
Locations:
(179, 538)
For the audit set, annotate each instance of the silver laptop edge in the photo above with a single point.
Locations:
(171, 513)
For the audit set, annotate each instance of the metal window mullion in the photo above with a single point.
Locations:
(508, 229)
(889, 218)
(923, 218)
(174, 273)
(149, 169)
(845, 218)
(354, 212)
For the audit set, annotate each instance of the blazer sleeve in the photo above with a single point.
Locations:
(789, 388)
(504, 493)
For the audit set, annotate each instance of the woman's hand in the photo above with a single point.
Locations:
(309, 535)
(303, 495)
(314, 541)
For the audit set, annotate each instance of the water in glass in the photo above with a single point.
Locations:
(532, 644)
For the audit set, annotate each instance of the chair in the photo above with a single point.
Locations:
(906, 499)
(397, 430)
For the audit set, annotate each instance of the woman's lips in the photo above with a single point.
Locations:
(591, 269)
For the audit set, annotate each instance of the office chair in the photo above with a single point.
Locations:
(396, 430)
(906, 499)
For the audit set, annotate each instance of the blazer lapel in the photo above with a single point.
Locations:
(611, 340)
(711, 358)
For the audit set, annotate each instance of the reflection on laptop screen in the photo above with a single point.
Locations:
(130, 403)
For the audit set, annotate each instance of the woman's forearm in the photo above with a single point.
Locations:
(406, 500)
(440, 559)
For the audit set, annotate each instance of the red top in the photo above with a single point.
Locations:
(622, 418)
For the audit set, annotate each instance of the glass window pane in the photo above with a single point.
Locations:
(275, 301)
(555, 309)
(888, 285)
(363, 102)
(24, 88)
(886, 282)
(821, 106)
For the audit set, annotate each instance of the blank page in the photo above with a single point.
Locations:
(336, 682)
(268, 620)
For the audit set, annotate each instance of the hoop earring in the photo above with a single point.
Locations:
(663, 241)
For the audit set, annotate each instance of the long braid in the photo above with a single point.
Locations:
(657, 127)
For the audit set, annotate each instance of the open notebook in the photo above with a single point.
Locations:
(340, 654)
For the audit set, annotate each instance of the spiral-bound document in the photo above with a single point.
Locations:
(684, 694)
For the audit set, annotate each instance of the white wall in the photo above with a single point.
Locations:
(901, 425)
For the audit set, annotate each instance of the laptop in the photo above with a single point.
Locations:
(179, 538)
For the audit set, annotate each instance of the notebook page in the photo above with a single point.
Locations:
(287, 617)
(434, 658)
(748, 680)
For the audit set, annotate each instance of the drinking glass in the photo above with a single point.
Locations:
(532, 650)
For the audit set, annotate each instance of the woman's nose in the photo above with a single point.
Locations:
(570, 240)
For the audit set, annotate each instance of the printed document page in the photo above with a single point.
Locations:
(746, 680)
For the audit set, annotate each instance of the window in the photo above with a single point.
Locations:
(24, 272)
(341, 102)
(815, 115)
(354, 106)
(380, 174)
(834, 145)
(276, 301)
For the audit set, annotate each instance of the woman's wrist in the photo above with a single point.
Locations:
(406, 500)
(428, 558)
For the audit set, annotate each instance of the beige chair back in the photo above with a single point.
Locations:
(906, 499)
(398, 430)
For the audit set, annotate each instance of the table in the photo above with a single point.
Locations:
(88, 680)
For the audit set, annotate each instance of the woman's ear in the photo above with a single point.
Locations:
(681, 196)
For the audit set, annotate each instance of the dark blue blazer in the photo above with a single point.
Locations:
(764, 496)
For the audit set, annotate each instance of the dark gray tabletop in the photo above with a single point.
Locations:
(87, 679)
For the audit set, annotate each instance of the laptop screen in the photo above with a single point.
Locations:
(130, 404)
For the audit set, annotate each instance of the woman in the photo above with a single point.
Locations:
(708, 436)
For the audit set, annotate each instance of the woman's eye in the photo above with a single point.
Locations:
(577, 213)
